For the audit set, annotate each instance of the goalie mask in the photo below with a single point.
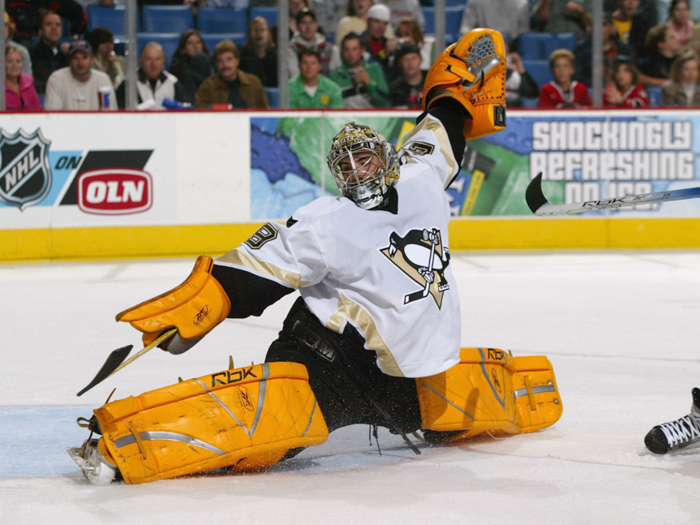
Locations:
(364, 165)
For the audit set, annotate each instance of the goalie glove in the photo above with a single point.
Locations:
(194, 308)
(471, 72)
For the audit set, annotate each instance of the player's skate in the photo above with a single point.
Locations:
(678, 434)
(96, 468)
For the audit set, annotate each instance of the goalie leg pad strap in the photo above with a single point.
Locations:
(194, 308)
(245, 418)
(489, 390)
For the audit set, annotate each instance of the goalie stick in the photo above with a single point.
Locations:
(115, 361)
(539, 204)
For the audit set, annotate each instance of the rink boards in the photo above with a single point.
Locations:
(103, 185)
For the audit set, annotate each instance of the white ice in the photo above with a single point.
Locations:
(621, 329)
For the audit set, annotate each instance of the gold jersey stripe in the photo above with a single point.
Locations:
(350, 309)
(443, 142)
(241, 258)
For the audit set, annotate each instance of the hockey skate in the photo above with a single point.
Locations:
(678, 434)
(96, 468)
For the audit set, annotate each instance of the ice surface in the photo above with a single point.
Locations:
(620, 329)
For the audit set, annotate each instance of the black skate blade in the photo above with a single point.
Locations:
(115, 359)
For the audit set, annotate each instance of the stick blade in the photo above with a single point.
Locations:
(115, 359)
(533, 195)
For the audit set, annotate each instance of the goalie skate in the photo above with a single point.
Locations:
(92, 462)
(678, 434)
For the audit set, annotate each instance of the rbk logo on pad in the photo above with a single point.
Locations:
(421, 255)
(25, 174)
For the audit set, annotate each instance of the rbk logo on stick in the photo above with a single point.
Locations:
(421, 255)
(25, 174)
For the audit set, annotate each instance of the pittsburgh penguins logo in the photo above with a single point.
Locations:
(421, 255)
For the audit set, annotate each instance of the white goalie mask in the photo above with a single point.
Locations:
(364, 165)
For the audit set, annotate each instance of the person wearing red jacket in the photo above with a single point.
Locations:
(563, 91)
(624, 91)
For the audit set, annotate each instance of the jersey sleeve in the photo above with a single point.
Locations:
(437, 141)
(273, 262)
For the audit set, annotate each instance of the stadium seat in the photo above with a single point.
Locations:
(110, 17)
(531, 46)
(453, 21)
(455, 3)
(169, 42)
(429, 15)
(268, 13)
(211, 39)
(217, 20)
(167, 18)
(558, 41)
(272, 96)
(654, 94)
(539, 71)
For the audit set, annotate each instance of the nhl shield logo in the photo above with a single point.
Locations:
(25, 174)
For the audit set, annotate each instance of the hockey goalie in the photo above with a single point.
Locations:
(374, 337)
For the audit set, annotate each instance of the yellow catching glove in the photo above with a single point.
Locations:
(473, 73)
(194, 308)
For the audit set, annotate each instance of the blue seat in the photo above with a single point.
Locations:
(429, 15)
(211, 39)
(654, 94)
(268, 13)
(455, 3)
(111, 18)
(217, 20)
(169, 42)
(453, 21)
(558, 41)
(167, 18)
(539, 71)
(273, 97)
(531, 45)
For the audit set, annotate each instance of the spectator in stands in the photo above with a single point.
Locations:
(401, 9)
(19, 87)
(328, 13)
(77, 87)
(613, 48)
(28, 15)
(562, 16)
(294, 7)
(356, 20)
(407, 89)
(519, 83)
(686, 29)
(624, 91)
(191, 64)
(362, 83)
(683, 90)
(510, 17)
(26, 58)
(309, 89)
(409, 32)
(663, 48)
(380, 48)
(106, 59)
(230, 86)
(563, 91)
(309, 37)
(47, 55)
(258, 56)
(153, 84)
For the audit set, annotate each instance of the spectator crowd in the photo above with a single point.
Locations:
(349, 54)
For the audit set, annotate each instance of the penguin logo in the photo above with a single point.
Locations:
(421, 255)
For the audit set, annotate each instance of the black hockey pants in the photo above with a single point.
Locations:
(349, 386)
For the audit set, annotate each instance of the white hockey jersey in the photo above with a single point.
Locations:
(386, 272)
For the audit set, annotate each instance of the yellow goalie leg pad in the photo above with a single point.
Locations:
(245, 418)
(490, 390)
(194, 308)
(473, 72)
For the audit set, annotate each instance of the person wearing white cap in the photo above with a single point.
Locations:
(356, 20)
(78, 87)
(380, 48)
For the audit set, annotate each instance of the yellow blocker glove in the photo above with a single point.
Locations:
(194, 308)
(473, 73)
